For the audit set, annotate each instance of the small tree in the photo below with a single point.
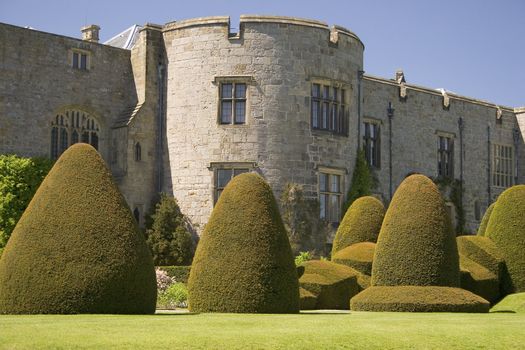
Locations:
(167, 236)
(362, 180)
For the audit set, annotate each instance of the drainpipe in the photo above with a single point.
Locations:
(516, 136)
(359, 80)
(390, 113)
(489, 170)
(461, 126)
(160, 124)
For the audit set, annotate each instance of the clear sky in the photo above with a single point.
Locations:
(474, 48)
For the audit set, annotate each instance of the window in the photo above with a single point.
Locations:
(136, 215)
(371, 144)
(80, 60)
(328, 108)
(502, 165)
(445, 156)
(477, 210)
(138, 152)
(330, 196)
(233, 103)
(72, 127)
(224, 173)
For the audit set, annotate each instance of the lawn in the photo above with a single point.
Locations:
(356, 330)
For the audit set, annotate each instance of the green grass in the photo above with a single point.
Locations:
(356, 330)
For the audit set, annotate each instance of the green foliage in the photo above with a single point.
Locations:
(506, 228)
(362, 180)
(358, 256)
(179, 273)
(332, 284)
(175, 296)
(302, 257)
(167, 235)
(452, 189)
(485, 220)
(416, 244)
(19, 180)
(511, 303)
(418, 299)
(77, 248)
(478, 280)
(361, 223)
(306, 231)
(243, 261)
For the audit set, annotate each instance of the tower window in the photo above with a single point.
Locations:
(232, 103)
(329, 109)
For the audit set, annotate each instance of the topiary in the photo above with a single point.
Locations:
(482, 251)
(362, 180)
(485, 220)
(332, 284)
(358, 256)
(511, 303)
(307, 299)
(361, 223)
(243, 261)
(478, 280)
(416, 264)
(77, 248)
(506, 228)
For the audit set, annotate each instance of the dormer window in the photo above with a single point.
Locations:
(80, 60)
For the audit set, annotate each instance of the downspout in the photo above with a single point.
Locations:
(461, 126)
(489, 170)
(516, 136)
(160, 125)
(390, 113)
(359, 80)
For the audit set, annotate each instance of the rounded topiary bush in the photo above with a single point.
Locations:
(77, 248)
(361, 223)
(506, 228)
(478, 279)
(485, 220)
(416, 263)
(243, 261)
(482, 251)
(416, 244)
(358, 256)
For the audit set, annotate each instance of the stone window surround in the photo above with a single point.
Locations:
(234, 79)
(80, 52)
(451, 136)
(332, 83)
(378, 123)
(503, 178)
(216, 166)
(332, 171)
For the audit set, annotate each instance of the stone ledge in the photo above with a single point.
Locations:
(213, 20)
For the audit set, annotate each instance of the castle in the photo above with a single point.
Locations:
(183, 107)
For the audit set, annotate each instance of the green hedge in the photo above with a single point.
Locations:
(361, 223)
(332, 284)
(243, 261)
(358, 256)
(482, 251)
(511, 303)
(179, 273)
(307, 300)
(416, 244)
(506, 228)
(418, 299)
(485, 220)
(77, 248)
(478, 280)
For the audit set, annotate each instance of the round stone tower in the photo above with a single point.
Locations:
(279, 97)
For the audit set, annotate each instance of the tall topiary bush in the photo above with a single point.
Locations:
(243, 261)
(362, 181)
(168, 238)
(506, 228)
(77, 248)
(485, 220)
(416, 264)
(361, 223)
(19, 180)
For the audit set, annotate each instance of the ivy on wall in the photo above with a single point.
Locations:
(452, 190)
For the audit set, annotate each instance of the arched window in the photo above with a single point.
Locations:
(71, 127)
(138, 152)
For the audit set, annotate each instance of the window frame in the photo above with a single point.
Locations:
(445, 155)
(502, 179)
(328, 214)
(68, 122)
(216, 167)
(234, 80)
(76, 60)
(372, 142)
(329, 110)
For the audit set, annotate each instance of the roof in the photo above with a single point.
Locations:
(125, 118)
(125, 39)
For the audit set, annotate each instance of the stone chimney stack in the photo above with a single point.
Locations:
(90, 33)
(400, 76)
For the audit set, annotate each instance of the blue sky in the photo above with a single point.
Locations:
(474, 48)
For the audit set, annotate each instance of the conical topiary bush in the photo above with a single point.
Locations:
(416, 264)
(506, 228)
(76, 248)
(361, 223)
(485, 220)
(243, 261)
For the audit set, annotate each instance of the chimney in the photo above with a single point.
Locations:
(400, 76)
(90, 33)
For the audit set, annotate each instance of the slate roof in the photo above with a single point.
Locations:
(125, 39)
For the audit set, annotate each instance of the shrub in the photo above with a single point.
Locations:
(478, 280)
(19, 180)
(178, 273)
(168, 238)
(76, 248)
(307, 300)
(243, 261)
(416, 245)
(302, 257)
(163, 280)
(361, 223)
(418, 299)
(506, 228)
(485, 220)
(362, 180)
(511, 303)
(358, 256)
(176, 295)
(332, 284)
(482, 251)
